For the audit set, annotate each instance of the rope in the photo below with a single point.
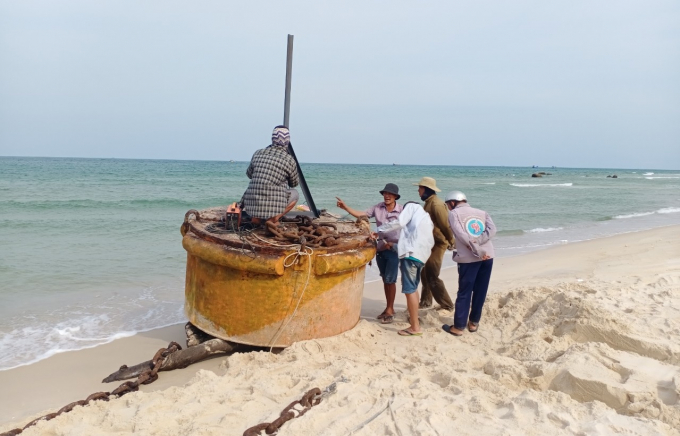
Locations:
(220, 229)
(308, 251)
(287, 263)
(274, 244)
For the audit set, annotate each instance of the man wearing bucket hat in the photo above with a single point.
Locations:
(386, 256)
(433, 286)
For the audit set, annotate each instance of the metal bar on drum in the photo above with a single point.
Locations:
(286, 121)
(289, 79)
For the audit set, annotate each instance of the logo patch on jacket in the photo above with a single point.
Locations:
(474, 227)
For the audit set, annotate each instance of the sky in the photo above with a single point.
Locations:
(567, 83)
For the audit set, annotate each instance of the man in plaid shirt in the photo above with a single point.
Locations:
(272, 171)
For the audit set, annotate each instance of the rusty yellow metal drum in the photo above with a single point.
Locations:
(252, 290)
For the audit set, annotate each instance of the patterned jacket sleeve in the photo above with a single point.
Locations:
(489, 231)
(249, 171)
(293, 178)
(462, 237)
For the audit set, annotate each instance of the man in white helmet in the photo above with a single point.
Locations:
(473, 230)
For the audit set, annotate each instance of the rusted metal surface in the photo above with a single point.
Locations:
(269, 292)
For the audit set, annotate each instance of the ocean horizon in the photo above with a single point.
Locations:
(90, 248)
(533, 166)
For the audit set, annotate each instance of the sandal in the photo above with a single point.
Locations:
(408, 333)
(473, 327)
(387, 319)
(382, 315)
(447, 328)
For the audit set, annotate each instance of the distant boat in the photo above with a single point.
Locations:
(232, 161)
(394, 164)
(534, 166)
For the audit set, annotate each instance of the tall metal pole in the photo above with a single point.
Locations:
(289, 79)
(286, 121)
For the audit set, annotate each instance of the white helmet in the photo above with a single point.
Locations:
(455, 196)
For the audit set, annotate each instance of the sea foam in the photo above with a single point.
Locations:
(531, 185)
(543, 230)
(641, 214)
(632, 215)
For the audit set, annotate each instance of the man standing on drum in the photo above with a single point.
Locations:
(473, 230)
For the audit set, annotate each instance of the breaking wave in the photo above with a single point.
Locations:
(511, 232)
(632, 215)
(640, 214)
(531, 185)
(543, 230)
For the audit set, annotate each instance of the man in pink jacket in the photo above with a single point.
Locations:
(473, 230)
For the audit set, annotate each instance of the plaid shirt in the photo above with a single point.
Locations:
(271, 171)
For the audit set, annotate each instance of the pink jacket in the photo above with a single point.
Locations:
(473, 230)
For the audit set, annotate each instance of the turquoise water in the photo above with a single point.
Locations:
(90, 249)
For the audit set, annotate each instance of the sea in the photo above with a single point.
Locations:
(90, 249)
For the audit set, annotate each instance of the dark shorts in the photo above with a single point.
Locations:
(410, 275)
(388, 264)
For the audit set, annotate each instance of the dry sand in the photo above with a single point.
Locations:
(578, 339)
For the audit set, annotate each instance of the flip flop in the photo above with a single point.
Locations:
(387, 319)
(382, 315)
(475, 327)
(408, 333)
(447, 328)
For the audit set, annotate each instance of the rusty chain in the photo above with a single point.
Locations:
(307, 232)
(308, 400)
(148, 376)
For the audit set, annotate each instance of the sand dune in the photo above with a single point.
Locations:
(581, 339)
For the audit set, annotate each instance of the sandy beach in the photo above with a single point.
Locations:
(582, 338)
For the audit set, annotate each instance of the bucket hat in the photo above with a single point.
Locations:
(392, 189)
(428, 182)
